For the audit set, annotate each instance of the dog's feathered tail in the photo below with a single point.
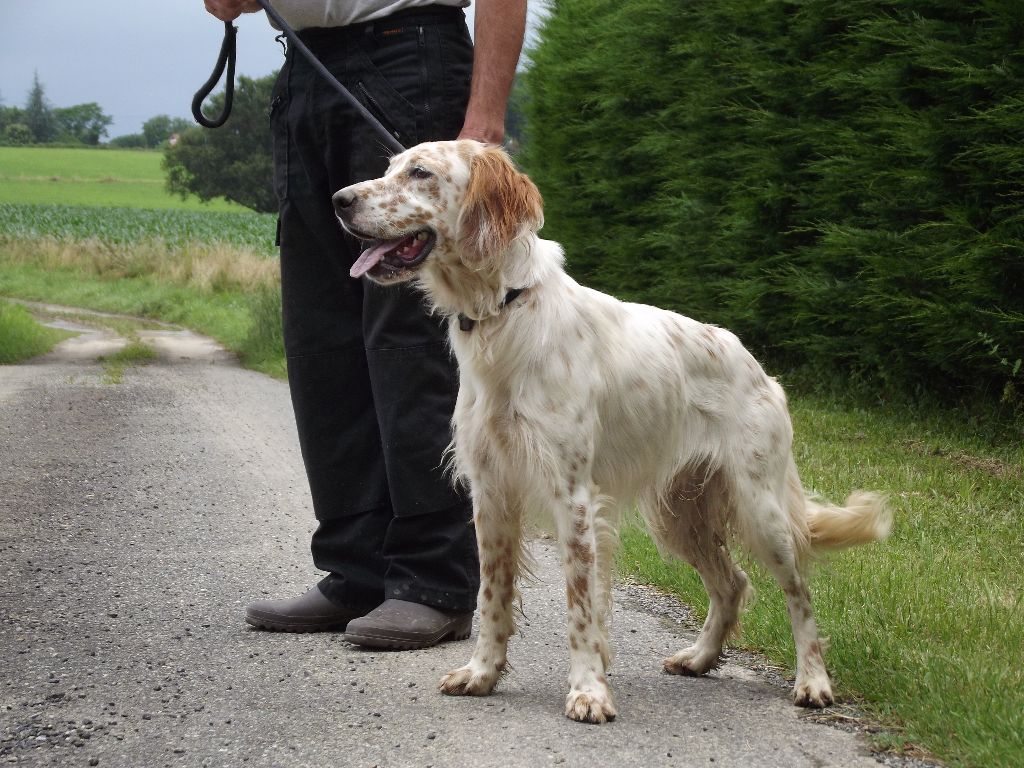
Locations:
(864, 517)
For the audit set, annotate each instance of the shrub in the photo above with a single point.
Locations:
(129, 141)
(234, 162)
(17, 135)
(840, 183)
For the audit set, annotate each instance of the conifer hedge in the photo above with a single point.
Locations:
(841, 183)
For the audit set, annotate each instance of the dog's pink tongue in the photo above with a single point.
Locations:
(369, 258)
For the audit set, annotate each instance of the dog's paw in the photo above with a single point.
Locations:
(590, 707)
(468, 681)
(813, 694)
(692, 662)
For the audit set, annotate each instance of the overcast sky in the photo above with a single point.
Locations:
(135, 58)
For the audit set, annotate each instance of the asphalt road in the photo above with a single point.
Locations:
(136, 521)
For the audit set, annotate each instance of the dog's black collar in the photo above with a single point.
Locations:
(467, 323)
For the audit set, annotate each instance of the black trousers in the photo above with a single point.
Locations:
(372, 381)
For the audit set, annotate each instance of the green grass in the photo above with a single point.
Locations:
(42, 161)
(21, 337)
(135, 353)
(92, 177)
(927, 628)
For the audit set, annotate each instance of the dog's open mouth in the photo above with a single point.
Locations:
(384, 257)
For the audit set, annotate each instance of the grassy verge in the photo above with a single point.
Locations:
(213, 272)
(21, 337)
(927, 628)
(226, 293)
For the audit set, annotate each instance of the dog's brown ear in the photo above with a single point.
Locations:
(500, 205)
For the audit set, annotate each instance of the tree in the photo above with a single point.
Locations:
(13, 131)
(16, 134)
(234, 161)
(83, 122)
(39, 114)
(159, 129)
(839, 183)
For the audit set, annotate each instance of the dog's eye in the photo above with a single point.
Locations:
(419, 173)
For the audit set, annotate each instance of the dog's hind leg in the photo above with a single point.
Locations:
(772, 525)
(499, 539)
(584, 554)
(691, 523)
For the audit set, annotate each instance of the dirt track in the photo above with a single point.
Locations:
(136, 521)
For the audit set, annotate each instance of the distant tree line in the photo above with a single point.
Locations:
(233, 162)
(156, 132)
(840, 183)
(39, 122)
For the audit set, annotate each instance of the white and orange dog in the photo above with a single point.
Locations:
(577, 404)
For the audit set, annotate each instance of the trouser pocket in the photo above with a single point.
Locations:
(373, 105)
(278, 112)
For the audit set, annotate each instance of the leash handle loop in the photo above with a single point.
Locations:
(226, 58)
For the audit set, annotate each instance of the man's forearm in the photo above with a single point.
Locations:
(498, 40)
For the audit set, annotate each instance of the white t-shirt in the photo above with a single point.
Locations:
(301, 14)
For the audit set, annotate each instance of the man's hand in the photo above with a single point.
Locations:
(498, 38)
(229, 10)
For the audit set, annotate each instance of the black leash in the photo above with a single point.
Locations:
(227, 56)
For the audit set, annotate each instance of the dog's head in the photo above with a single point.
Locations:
(449, 205)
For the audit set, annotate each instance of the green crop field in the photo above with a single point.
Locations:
(93, 177)
(127, 226)
(116, 197)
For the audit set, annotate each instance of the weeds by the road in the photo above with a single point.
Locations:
(135, 353)
(214, 272)
(21, 337)
(214, 278)
(208, 268)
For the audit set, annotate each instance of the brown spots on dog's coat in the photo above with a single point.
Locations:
(581, 552)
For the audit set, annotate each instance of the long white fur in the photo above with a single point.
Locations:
(577, 404)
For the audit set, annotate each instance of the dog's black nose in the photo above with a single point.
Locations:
(343, 199)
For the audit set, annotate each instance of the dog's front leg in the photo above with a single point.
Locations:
(590, 697)
(499, 538)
